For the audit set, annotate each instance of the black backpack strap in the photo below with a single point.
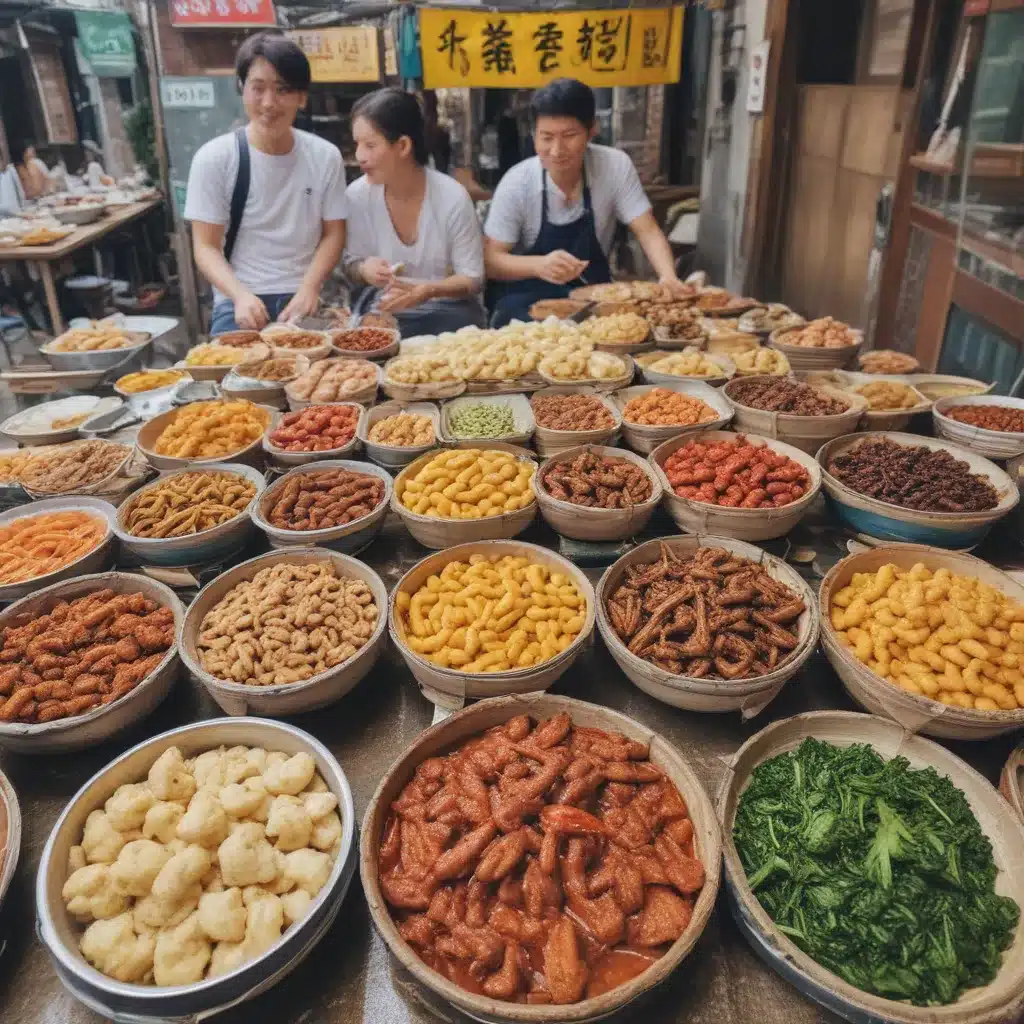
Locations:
(239, 194)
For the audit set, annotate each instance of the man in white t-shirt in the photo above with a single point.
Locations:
(292, 228)
(552, 220)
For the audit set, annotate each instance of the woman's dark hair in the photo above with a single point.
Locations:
(279, 51)
(395, 113)
(565, 97)
(18, 150)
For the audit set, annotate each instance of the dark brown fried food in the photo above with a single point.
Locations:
(80, 654)
(540, 864)
(323, 498)
(596, 481)
(710, 614)
(780, 394)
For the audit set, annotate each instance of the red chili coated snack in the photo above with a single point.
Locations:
(541, 863)
(735, 474)
(319, 428)
(989, 417)
(362, 339)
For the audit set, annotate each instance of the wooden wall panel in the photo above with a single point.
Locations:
(852, 230)
(869, 129)
(821, 119)
(807, 284)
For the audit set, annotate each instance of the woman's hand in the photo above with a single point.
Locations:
(675, 287)
(402, 295)
(302, 303)
(250, 313)
(376, 272)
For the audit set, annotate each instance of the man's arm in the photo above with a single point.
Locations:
(208, 249)
(306, 300)
(558, 267)
(656, 248)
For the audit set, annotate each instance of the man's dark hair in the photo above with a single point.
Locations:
(565, 97)
(18, 150)
(279, 51)
(395, 113)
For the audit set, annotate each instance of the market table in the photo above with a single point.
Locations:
(42, 256)
(350, 977)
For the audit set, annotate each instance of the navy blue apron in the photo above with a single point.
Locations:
(578, 238)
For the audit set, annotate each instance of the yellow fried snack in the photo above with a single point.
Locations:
(492, 614)
(36, 545)
(216, 355)
(98, 338)
(208, 430)
(403, 430)
(187, 503)
(148, 380)
(887, 394)
(761, 360)
(12, 464)
(684, 364)
(952, 638)
(468, 484)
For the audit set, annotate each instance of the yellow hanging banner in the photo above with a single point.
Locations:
(346, 54)
(518, 50)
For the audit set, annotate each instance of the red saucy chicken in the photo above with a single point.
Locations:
(542, 863)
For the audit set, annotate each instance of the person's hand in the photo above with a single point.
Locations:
(376, 272)
(403, 295)
(250, 313)
(302, 303)
(561, 267)
(675, 287)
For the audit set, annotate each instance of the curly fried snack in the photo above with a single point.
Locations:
(33, 546)
(208, 430)
(187, 503)
(148, 380)
(710, 614)
(81, 653)
(287, 624)
(74, 466)
(492, 614)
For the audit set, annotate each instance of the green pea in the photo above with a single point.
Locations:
(482, 420)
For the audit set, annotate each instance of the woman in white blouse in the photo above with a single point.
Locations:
(413, 233)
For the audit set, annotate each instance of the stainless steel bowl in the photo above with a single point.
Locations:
(10, 850)
(139, 1003)
(104, 359)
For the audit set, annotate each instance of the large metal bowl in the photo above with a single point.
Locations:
(103, 359)
(84, 214)
(125, 1002)
(10, 847)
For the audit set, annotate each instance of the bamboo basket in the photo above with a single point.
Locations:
(873, 419)
(1011, 781)
(752, 524)
(419, 392)
(1003, 999)
(550, 442)
(992, 444)
(313, 353)
(601, 385)
(808, 433)
(286, 698)
(523, 421)
(281, 457)
(254, 353)
(915, 713)
(503, 386)
(881, 519)
(348, 538)
(337, 340)
(441, 738)
(364, 396)
(749, 696)
(433, 532)
(395, 456)
(727, 366)
(597, 524)
(454, 686)
(804, 358)
(644, 439)
(663, 338)
(237, 385)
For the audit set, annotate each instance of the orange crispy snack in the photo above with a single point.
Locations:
(36, 545)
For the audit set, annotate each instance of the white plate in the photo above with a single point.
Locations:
(32, 426)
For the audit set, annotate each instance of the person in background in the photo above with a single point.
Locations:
(403, 214)
(93, 173)
(35, 178)
(439, 148)
(12, 192)
(552, 220)
(292, 228)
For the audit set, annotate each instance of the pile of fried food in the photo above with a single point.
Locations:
(335, 380)
(239, 339)
(661, 407)
(320, 428)
(75, 466)
(216, 355)
(294, 339)
(209, 430)
(597, 481)
(617, 329)
(709, 614)
(148, 380)
(887, 394)
(81, 653)
(688, 363)
(491, 614)
(186, 503)
(773, 317)
(279, 370)
(362, 339)
(467, 484)
(44, 235)
(540, 863)
(202, 865)
(884, 360)
(571, 412)
(403, 430)
(286, 625)
(98, 338)
(36, 545)
(12, 465)
(952, 638)
(323, 498)
(757, 361)
(824, 332)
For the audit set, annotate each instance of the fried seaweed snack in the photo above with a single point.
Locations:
(709, 615)
(208, 430)
(86, 652)
(597, 482)
(324, 498)
(187, 503)
(540, 864)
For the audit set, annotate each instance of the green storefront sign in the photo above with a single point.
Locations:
(107, 42)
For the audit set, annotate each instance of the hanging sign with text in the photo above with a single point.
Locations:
(349, 54)
(513, 50)
(222, 13)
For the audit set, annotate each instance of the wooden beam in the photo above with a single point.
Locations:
(990, 304)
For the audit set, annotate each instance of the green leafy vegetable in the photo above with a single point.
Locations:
(878, 871)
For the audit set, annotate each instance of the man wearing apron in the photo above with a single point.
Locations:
(553, 217)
